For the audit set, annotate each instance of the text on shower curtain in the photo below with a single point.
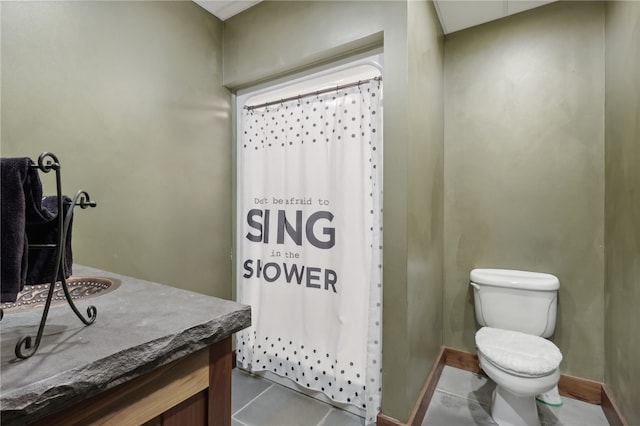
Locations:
(314, 230)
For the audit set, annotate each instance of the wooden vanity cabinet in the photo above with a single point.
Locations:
(194, 390)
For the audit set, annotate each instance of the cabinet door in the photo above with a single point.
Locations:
(192, 412)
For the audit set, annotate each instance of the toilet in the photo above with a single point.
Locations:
(517, 311)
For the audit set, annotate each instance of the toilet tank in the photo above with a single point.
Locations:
(516, 300)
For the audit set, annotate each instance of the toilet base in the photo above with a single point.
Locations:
(508, 409)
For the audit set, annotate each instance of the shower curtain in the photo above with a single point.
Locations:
(309, 242)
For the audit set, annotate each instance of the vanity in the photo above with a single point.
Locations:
(156, 355)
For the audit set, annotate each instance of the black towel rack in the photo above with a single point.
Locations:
(47, 162)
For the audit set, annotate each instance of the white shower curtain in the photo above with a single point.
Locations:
(309, 242)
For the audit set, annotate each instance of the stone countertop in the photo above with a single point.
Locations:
(140, 326)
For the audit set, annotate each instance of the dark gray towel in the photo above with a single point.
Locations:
(28, 218)
(17, 178)
(42, 228)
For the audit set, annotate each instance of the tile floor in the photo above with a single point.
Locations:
(259, 402)
(461, 399)
(464, 399)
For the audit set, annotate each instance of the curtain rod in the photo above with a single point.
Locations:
(316, 93)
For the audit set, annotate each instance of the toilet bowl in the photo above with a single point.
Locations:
(517, 310)
(522, 366)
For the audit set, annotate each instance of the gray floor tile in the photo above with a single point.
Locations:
(461, 399)
(244, 388)
(446, 409)
(279, 406)
(460, 382)
(572, 413)
(480, 388)
(342, 418)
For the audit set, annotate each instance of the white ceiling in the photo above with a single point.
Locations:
(225, 9)
(454, 14)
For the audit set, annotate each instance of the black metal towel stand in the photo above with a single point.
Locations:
(47, 161)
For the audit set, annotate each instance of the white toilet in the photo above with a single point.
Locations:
(517, 310)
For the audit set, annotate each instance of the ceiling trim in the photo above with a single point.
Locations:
(225, 9)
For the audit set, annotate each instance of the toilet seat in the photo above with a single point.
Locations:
(520, 354)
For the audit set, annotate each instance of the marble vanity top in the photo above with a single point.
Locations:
(140, 326)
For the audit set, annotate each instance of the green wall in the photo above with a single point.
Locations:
(524, 168)
(425, 197)
(622, 201)
(129, 96)
(274, 38)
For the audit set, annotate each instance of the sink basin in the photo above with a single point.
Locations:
(35, 296)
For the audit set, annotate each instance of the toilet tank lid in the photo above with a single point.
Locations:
(513, 278)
